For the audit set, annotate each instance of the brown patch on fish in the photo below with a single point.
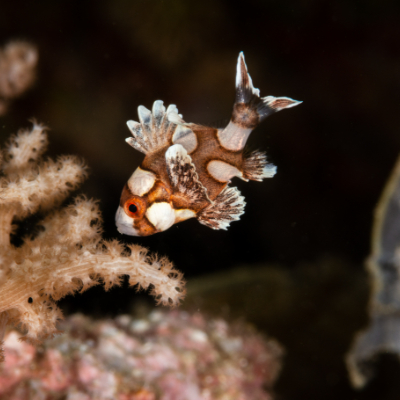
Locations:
(144, 226)
(125, 195)
(159, 192)
(210, 149)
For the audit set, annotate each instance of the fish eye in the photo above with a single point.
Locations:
(132, 208)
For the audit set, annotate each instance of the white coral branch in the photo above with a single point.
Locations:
(69, 254)
(24, 149)
(45, 186)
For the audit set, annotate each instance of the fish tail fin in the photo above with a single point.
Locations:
(249, 109)
(248, 102)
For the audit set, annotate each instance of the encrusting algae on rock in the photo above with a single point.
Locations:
(67, 253)
(164, 355)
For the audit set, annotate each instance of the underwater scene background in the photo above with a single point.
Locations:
(294, 264)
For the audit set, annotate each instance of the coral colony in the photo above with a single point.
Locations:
(166, 355)
(163, 356)
(187, 167)
(68, 254)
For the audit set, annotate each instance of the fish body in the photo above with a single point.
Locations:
(187, 167)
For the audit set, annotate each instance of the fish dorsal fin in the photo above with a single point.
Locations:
(154, 129)
(227, 207)
(183, 176)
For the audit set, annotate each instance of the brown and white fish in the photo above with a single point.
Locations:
(187, 167)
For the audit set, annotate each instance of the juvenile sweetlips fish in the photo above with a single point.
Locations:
(187, 167)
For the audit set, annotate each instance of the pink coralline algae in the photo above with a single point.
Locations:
(165, 356)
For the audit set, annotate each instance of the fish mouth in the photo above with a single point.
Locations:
(125, 223)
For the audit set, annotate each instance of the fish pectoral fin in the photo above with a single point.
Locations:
(154, 129)
(256, 167)
(183, 176)
(227, 207)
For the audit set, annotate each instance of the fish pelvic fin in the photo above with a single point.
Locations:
(256, 167)
(183, 176)
(227, 207)
(154, 130)
(249, 109)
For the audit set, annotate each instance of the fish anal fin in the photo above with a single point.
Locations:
(227, 207)
(183, 176)
(256, 167)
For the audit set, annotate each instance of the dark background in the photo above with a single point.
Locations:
(100, 60)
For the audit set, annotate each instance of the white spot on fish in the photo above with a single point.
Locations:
(222, 171)
(183, 214)
(125, 223)
(161, 215)
(186, 137)
(233, 137)
(141, 182)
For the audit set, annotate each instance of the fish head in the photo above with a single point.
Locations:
(145, 207)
